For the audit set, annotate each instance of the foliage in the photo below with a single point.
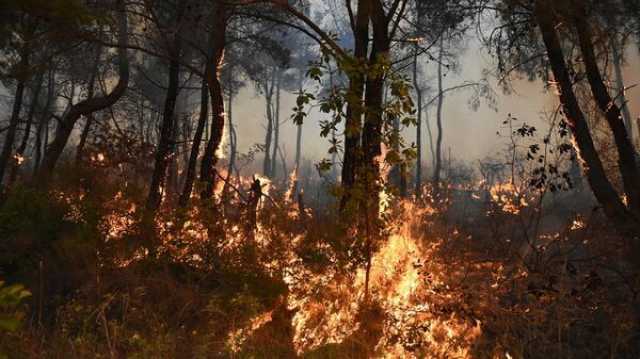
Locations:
(11, 297)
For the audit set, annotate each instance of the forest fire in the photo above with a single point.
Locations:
(319, 179)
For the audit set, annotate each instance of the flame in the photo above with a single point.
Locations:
(19, 159)
(409, 280)
(236, 338)
(397, 284)
(577, 224)
(508, 197)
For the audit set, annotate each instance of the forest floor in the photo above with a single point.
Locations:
(450, 278)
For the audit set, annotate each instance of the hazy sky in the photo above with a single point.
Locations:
(470, 135)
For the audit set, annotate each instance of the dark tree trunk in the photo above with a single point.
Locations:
(268, 88)
(374, 97)
(296, 182)
(438, 154)
(616, 49)
(88, 106)
(594, 171)
(355, 107)
(276, 128)
(43, 121)
(166, 144)
(90, 118)
(209, 159)
(195, 147)
(626, 153)
(7, 148)
(35, 96)
(418, 90)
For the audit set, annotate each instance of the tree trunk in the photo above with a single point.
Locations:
(88, 106)
(90, 118)
(438, 154)
(296, 183)
(594, 171)
(166, 144)
(232, 144)
(27, 130)
(268, 96)
(43, 121)
(276, 128)
(7, 148)
(355, 106)
(418, 90)
(298, 145)
(195, 147)
(209, 159)
(616, 49)
(626, 153)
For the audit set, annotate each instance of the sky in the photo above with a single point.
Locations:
(469, 135)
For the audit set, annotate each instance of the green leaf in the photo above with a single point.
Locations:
(9, 324)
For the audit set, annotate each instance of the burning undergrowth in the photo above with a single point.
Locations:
(266, 271)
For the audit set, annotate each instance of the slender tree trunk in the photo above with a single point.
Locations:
(438, 154)
(88, 106)
(296, 183)
(90, 118)
(418, 90)
(35, 96)
(616, 49)
(355, 106)
(43, 121)
(7, 148)
(372, 134)
(209, 158)
(430, 135)
(276, 128)
(593, 168)
(299, 133)
(334, 159)
(232, 143)
(298, 145)
(268, 141)
(166, 145)
(195, 147)
(626, 152)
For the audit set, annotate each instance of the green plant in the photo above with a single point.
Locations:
(11, 297)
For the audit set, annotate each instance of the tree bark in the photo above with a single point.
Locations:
(27, 130)
(88, 106)
(616, 49)
(374, 98)
(438, 154)
(355, 105)
(195, 147)
(268, 96)
(592, 165)
(7, 148)
(43, 121)
(209, 159)
(626, 153)
(276, 127)
(232, 143)
(296, 182)
(90, 118)
(418, 90)
(166, 144)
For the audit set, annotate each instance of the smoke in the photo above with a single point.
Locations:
(469, 134)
